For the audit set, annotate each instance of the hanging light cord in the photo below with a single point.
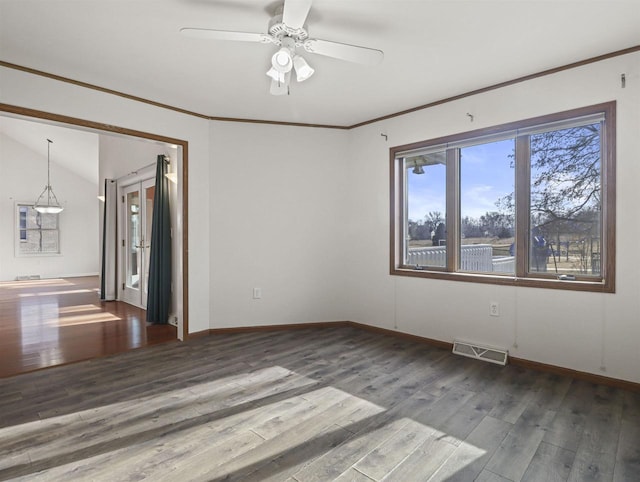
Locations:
(51, 208)
(49, 142)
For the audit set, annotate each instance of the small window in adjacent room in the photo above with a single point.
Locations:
(37, 233)
(529, 203)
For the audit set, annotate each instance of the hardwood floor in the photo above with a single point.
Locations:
(312, 405)
(56, 321)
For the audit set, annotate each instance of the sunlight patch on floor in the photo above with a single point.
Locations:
(53, 293)
(53, 282)
(78, 308)
(85, 319)
(224, 427)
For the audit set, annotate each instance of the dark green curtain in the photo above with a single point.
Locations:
(159, 289)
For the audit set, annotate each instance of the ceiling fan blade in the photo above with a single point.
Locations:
(351, 53)
(295, 13)
(206, 33)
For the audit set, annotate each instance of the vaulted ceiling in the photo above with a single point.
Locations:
(434, 49)
(72, 149)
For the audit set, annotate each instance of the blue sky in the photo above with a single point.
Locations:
(486, 175)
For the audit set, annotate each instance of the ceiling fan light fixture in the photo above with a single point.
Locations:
(288, 31)
(282, 60)
(275, 75)
(303, 69)
(280, 86)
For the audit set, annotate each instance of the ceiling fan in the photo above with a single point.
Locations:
(287, 30)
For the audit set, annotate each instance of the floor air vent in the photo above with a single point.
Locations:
(27, 277)
(489, 354)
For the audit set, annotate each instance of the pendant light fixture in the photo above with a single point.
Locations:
(49, 203)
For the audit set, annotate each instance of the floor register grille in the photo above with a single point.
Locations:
(479, 352)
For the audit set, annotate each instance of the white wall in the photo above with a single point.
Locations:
(23, 175)
(31, 91)
(581, 331)
(278, 222)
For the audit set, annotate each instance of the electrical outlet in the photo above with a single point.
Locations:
(494, 308)
(257, 293)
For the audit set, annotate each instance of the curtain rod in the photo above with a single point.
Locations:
(166, 158)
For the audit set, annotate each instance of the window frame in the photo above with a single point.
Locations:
(19, 229)
(522, 277)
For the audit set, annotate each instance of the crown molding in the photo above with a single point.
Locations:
(446, 100)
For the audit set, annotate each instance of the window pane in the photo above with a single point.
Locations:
(133, 241)
(426, 181)
(22, 211)
(37, 232)
(487, 208)
(566, 210)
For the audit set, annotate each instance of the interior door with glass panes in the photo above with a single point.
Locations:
(137, 216)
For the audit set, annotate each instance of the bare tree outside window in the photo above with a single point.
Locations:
(566, 197)
(565, 200)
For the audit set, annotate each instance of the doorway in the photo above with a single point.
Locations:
(180, 187)
(136, 211)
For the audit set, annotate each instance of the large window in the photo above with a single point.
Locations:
(37, 233)
(529, 203)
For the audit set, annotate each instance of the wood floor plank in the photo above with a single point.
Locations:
(549, 464)
(579, 397)
(201, 465)
(509, 408)
(565, 430)
(308, 407)
(631, 407)
(468, 460)
(596, 453)
(239, 468)
(388, 455)
(592, 467)
(367, 438)
(458, 426)
(352, 475)
(488, 476)
(551, 389)
(293, 461)
(339, 459)
(424, 461)
(516, 451)
(628, 454)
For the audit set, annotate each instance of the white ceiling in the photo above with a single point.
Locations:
(72, 149)
(434, 49)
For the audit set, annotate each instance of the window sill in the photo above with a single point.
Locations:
(597, 286)
(39, 255)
